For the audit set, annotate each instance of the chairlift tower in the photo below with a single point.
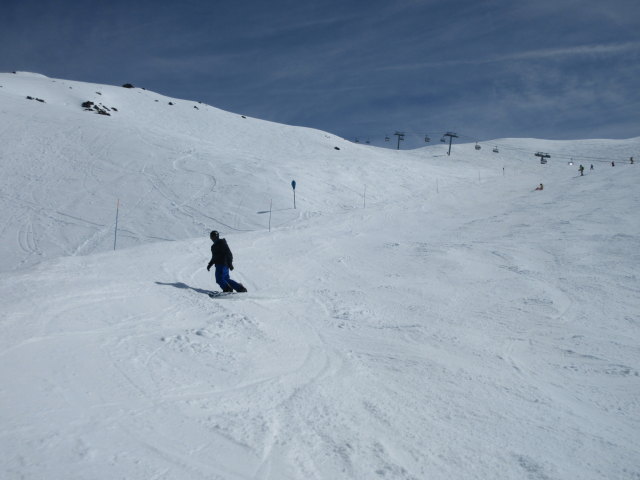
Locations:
(451, 136)
(543, 157)
(400, 136)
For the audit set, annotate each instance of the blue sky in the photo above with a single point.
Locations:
(562, 69)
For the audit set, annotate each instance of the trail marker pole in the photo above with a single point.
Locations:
(364, 198)
(115, 232)
(270, 208)
(293, 185)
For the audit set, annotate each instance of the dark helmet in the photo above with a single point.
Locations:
(214, 235)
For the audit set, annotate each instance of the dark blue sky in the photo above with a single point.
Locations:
(486, 69)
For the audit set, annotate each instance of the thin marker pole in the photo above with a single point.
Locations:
(293, 186)
(270, 207)
(115, 233)
(364, 198)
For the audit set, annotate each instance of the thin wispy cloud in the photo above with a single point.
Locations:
(574, 51)
(548, 53)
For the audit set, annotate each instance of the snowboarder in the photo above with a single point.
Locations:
(540, 187)
(581, 171)
(591, 167)
(613, 164)
(222, 258)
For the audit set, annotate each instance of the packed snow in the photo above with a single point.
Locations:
(416, 316)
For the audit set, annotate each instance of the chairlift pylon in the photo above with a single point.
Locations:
(543, 157)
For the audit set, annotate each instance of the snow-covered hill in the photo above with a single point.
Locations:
(177, 167)
(452, 323)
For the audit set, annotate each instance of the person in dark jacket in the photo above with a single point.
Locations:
(222, 258)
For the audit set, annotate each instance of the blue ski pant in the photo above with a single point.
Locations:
(222, 278)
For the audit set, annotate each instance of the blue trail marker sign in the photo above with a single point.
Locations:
(293, 185)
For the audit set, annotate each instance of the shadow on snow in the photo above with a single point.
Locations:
(186, 287)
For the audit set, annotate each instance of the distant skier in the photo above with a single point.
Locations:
(222, 258)
(581, 170)
(591, 167)
(540, 187)
(613, 164)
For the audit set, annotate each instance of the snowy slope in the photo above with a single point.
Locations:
(460, 325)
(178, 171)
